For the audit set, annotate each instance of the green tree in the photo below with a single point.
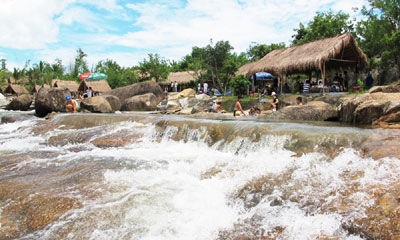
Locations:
(156, 68)
(257, 51)
(217, 62)
(323, 25)
(240, 84)
(3, 64)
(379, 36)
(117, 76)
(80, 65)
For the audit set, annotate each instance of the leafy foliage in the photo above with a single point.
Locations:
(323, 25)
(156, 68)
(117, 76)
(379, 35)
(257, 51)
(240, 84)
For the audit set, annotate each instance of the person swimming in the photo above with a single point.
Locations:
(70, 104)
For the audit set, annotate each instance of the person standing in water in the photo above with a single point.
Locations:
(275, 102)
(238, 108)
(71, 107)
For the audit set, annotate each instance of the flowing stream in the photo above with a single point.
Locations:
(161, 177)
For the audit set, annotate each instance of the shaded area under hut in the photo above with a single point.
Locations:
(336, 53)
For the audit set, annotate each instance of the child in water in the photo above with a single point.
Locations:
(70, 105)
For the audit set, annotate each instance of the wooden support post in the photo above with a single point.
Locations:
(323, 77)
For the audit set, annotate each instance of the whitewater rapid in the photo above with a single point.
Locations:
(174, 182)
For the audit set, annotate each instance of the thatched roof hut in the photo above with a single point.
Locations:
(72, 86)
(14, 89)
(180, 77)
(36, 88)
(337, 52)
(100, 86)
(243, 70)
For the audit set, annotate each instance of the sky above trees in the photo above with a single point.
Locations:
(126, 31)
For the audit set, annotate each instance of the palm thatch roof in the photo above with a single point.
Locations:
(36, 88)
(16, 89)
(179, 77)
(340, 51)
(72, 86)
(243, 70)
(99, 86)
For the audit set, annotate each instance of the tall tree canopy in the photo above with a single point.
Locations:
(323, 25)
(257, 51)
(379, 35)
(156, 67)
(117, 76)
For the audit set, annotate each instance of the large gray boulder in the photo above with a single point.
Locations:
(114, 102)
(97, 104)
(313, 111)
(136, 89)
(21, 103)
(145, 102)
(50, 100)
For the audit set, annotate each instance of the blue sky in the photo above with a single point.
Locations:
(127, 30)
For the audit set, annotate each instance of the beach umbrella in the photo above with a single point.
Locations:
(263, 75)
(85, 75)
(96, 76)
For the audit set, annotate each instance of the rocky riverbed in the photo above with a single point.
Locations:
(141, 176)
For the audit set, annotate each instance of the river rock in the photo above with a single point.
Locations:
(145, 102)
(187, 93)
(173, 106)
(15, 118)
(332, 99)
(50, 100)
(3, 100)
(114, 102)
(136, 89)
(21, 103)
(394, 88)
(202, 97)
(367, 108)
(313, 111)
(98, 104)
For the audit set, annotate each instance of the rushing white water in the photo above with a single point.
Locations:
(161, 188)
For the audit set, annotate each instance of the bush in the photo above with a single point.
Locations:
(240, 84)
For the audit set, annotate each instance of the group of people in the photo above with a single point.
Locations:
(202, 89)
(254, 110)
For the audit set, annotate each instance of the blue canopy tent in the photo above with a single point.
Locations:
(260, 76)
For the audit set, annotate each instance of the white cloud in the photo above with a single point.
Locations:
(239, 22)
(27, 24)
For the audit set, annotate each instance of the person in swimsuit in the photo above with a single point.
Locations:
(238, 108)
